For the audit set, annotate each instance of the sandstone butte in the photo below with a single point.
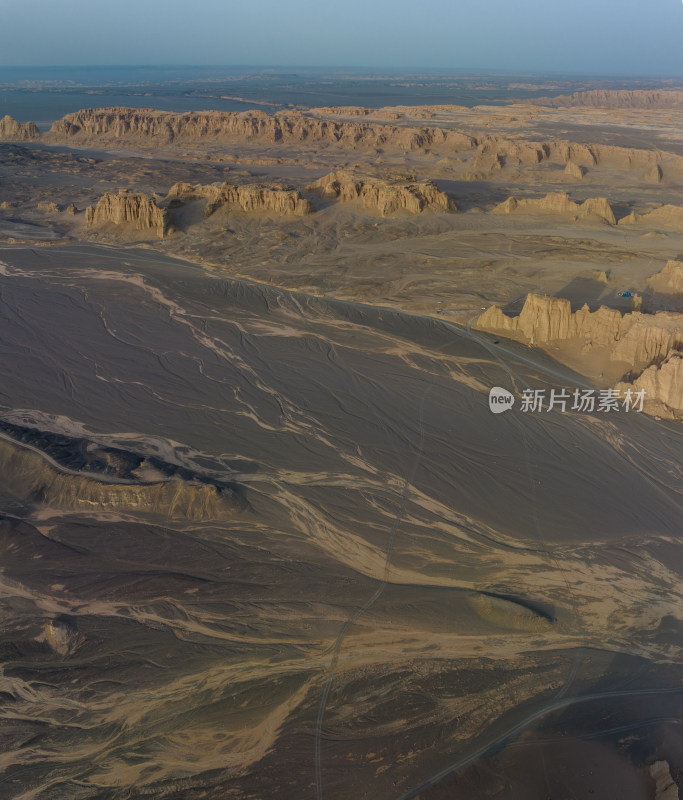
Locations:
(251, 197)
(387, 196)
(96, 125)
(13, 131)
(640, 339)
(128, 207)
(153, 127)
(645, 341)
(558, 203)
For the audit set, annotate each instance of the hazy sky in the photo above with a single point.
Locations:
(610, 37)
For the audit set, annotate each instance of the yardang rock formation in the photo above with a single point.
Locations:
(386, 196)
(13, 131)
(127, 207)
(284, 201)
(558, 203)
(637, 338)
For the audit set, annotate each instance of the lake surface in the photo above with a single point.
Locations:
(43, 94)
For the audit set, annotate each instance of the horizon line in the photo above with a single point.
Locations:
(367, 69)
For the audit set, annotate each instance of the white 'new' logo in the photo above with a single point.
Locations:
(500, 400)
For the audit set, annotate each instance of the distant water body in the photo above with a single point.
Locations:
(44, 94)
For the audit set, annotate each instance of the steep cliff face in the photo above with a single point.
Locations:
(558, 203)
(636, 338)
(280, 200)
(386, 196)
(140, 210)
(669, 280)
(115, 124)
(13, 131)
(663, 385)
(150, 127)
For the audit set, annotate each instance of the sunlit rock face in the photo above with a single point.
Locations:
(559, 203)
(123, 207)
(663, 386)
(648, 345)
(383, 195)
(250, 197)
(13, 131)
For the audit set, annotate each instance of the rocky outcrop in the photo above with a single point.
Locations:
(136, 209)
(651, 344)
(558, 203)
(663, 386)
(384, 195)
(519, 152)
(636, 338)
(617, 98)
(660, 772)
(573, 170)
(515, 152)
(669, 280)
(48, 207)
(485, 164)
(280, 200)
(358, 111)
(667, 216)
(387, 112)
(61, 636)
(36, 480)
(149, 125)
(13, 131)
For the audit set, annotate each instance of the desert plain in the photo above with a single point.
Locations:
(262, 535)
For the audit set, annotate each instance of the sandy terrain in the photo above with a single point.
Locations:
(528, 198)
(262, 536)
